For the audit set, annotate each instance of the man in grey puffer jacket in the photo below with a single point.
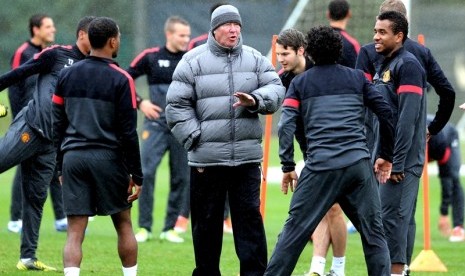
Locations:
(213, 103)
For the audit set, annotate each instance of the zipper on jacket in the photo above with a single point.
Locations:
(232, 112)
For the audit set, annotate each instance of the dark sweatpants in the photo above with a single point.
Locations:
(452, 191)
(156, 141)
(356, 190)
(209, 186)
(398, 201)
(22, 145)
(56, 195)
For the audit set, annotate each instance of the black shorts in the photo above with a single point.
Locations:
(95, 182)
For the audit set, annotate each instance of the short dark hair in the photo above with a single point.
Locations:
(292, 38)
(338, 9)
(36, 21)
(100, 30)
(399, 22)
(324, 45)
(83, 24)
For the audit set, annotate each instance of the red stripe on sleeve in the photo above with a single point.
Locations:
(446, 157)
(141, 55)
(36, 56)
(194, 40)
(291, 103)
(58, 100)
(368, 76)
(17, 57)
(352, 41)
(410, 89)
(131, 84)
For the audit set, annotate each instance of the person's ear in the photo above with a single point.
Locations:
(113, 42)
(399, 37)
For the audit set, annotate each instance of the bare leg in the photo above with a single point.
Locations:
(127, 244)
(337, 230)
(321, 238)
(72, 253)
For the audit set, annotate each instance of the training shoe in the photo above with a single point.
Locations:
(171, 236)
(3, 110)
(444, 225)
(33, 264)
(15, 226)
(406, 271)
(61, 225)
(312, 274)
(181, 224)
(143, 235)
(227, 226)
(332, 273)
(458, 234)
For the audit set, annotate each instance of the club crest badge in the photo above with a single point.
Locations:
(25, 137)
(387, 76)
(145, 134)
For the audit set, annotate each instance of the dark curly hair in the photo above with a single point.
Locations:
(100, 30)
(324, 45)
(398, 22)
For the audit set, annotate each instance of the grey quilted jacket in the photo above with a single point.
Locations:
(200, 101)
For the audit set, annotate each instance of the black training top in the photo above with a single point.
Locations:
(20, 93)
(331, 99)
(368, 57)
(94, 106)
(158, 64)
(48, 65)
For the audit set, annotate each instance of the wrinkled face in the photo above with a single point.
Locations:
(227, 35)
(288, 58)
(385, 40)
(178, 38)
(46, 31)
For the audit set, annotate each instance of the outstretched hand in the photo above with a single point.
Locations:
(289, 181)
(243, 99)
(133, 191)
(382, 170)
(150, 110)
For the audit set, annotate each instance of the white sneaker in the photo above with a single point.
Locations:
(61, 225)
(143, 235)
(227, 226)
(15, 226)
(171, 236)
(458, 234)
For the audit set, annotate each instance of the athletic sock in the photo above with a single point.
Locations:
(318, 265)
(25, 259)
(72, 271)
(130, 271)
(338, 265)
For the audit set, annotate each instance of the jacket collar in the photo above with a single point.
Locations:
(219, 50)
